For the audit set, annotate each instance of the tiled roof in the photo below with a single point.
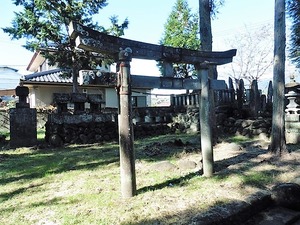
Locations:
(50, 76)
(8, 68)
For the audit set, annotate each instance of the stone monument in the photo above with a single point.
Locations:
(23, 121)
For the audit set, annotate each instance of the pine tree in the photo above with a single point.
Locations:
(293, 9)
(181, 30)
(44, 25)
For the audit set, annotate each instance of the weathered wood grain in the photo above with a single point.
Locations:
(91, 40)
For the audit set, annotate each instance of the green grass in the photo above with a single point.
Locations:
(40, 135)
(239, 139)
(6, 134)
(80, 184)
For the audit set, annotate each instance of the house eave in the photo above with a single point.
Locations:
(36, 60)
(33, 83)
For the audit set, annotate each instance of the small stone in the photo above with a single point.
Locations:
(55, 140)
(187, 165)
(164, 166)
(234, 147)
(83, 138)
(297, 180)
(178, 142)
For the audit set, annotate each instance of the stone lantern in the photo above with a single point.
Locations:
(292, 113)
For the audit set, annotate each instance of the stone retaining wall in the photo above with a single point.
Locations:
(99, 127)
(247, 127)
(95, 127)
(66, 128)
(227, 123)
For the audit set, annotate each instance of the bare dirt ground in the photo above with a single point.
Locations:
(171, 188)
(256, 153)
(241, 171)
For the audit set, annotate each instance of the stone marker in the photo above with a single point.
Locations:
(23, 121)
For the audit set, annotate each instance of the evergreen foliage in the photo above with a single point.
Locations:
(181, 30)
(214, 6)
(44, 23)
(293, 9)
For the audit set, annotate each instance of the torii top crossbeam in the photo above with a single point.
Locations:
(95, 41)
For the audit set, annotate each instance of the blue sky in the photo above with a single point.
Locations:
(147, 19)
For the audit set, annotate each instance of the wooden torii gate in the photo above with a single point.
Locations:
(123, 50)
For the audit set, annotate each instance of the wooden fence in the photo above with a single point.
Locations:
(240, 98)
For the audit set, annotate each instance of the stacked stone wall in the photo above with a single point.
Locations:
(188, 122)
(97, 128)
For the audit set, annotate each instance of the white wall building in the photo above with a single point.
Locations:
(45, 80)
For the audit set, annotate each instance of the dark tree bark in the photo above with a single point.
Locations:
(205, 25)
(208, 128)
(205, 12)
(278, 141)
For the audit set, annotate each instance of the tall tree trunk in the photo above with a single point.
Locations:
(75, 79)
(75, 72)
(205, 25)
(206, 32)
(206, 45)
(207, 126)
(278, 142)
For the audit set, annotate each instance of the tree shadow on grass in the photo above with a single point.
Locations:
(237, 165)
(218, 166)
(7, 195)
(235, 212)
(42, 203)
(40, 163)
(181, 181)
(232, 211)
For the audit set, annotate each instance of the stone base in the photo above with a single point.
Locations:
(292, 132)
(23, 127)
(292, 117)
(292, 137)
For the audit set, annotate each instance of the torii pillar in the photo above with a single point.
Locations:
(205, 123)
(127, 154)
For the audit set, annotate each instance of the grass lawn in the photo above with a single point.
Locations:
(80, 184)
